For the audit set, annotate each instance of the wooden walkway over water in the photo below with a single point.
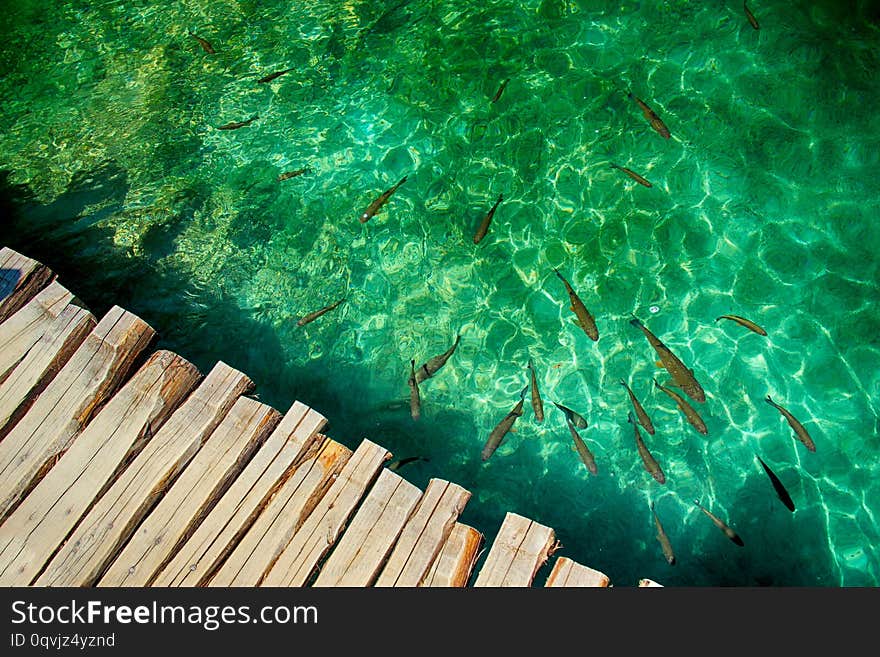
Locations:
(122, 466)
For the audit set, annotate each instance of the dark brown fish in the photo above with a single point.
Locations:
(415, 401)
(752, 20)
(235, 125)
(497, 434)
(742, 321)
(537, 402)
(692, 416)
(311, 317)
(732, 535)
(287, 175)
(582, 449)
(570, 416)
(207, 47)
(652, 117)
(374, 207)
(644, 420)
(665, 545)
(632, 174)
(799, 430)
(580, 310)
(397, 465)
(274, 75)
(781, 491)
(683, 376)
(484, 224)
(428, 370)
(500, 91)
(651, 466)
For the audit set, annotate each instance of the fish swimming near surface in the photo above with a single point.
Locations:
(500, 91)
(742, 321)
(799, 430)
(274, 75)
(427, 370)
(376, 205)
(651, 465)
(235, 125)
(580, 310)
(570, 416)
(781, 492)
(207, 47)
(665, 545)
(415, 401)
(287, 175)
(311, 317)
(582, 449)
(497, 434)
(682, 376)
(632, 174)
(397, 465)
(690, 414)
(483, 228)
(752, 20)
(732, 535)
(537, 402)
(652, 117)
(644, 420)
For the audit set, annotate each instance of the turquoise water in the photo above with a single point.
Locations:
(764, 204)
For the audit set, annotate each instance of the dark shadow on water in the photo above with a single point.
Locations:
(8, 280)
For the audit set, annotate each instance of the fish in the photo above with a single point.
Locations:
(692, 416)
(732, 535)
(570, 416)
(752, 20)
(429, 369)
(397, 465)
(644, 420)
(484, 224)
(682, 376)
(799, 430)
(632, 174)
(274, 75)
(311, 317)
(582, 449)
(207, 47)
(664, 539)
(374, 207)
(651, 465)
(235, 125)
(292, 174)
(537, 402)
(580, 310)
(497, 434)
(415, 402)
(652, 117)
(742, 321)
(781, 492)
(500, 91)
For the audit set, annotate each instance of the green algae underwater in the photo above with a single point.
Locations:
(763, 204)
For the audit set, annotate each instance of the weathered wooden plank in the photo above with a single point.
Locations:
(360, 553)
(59, 414)
(649, 583)
(41, 362)
(108, 525)
(203, 481)
(424, 535)
(32, 534)
(319, 532)
(520, 549)
(218, 534)
(569, 573)
(20, 279)
(284, 514)
(453, 566)
(23, 330)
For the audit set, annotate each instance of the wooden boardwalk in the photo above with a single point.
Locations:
(122, 466)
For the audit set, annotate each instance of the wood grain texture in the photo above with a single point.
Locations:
(39, 526)
(20, 280)
(521, 547)
(455, 562)
(567, 573)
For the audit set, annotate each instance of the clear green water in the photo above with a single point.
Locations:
(765, 204)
